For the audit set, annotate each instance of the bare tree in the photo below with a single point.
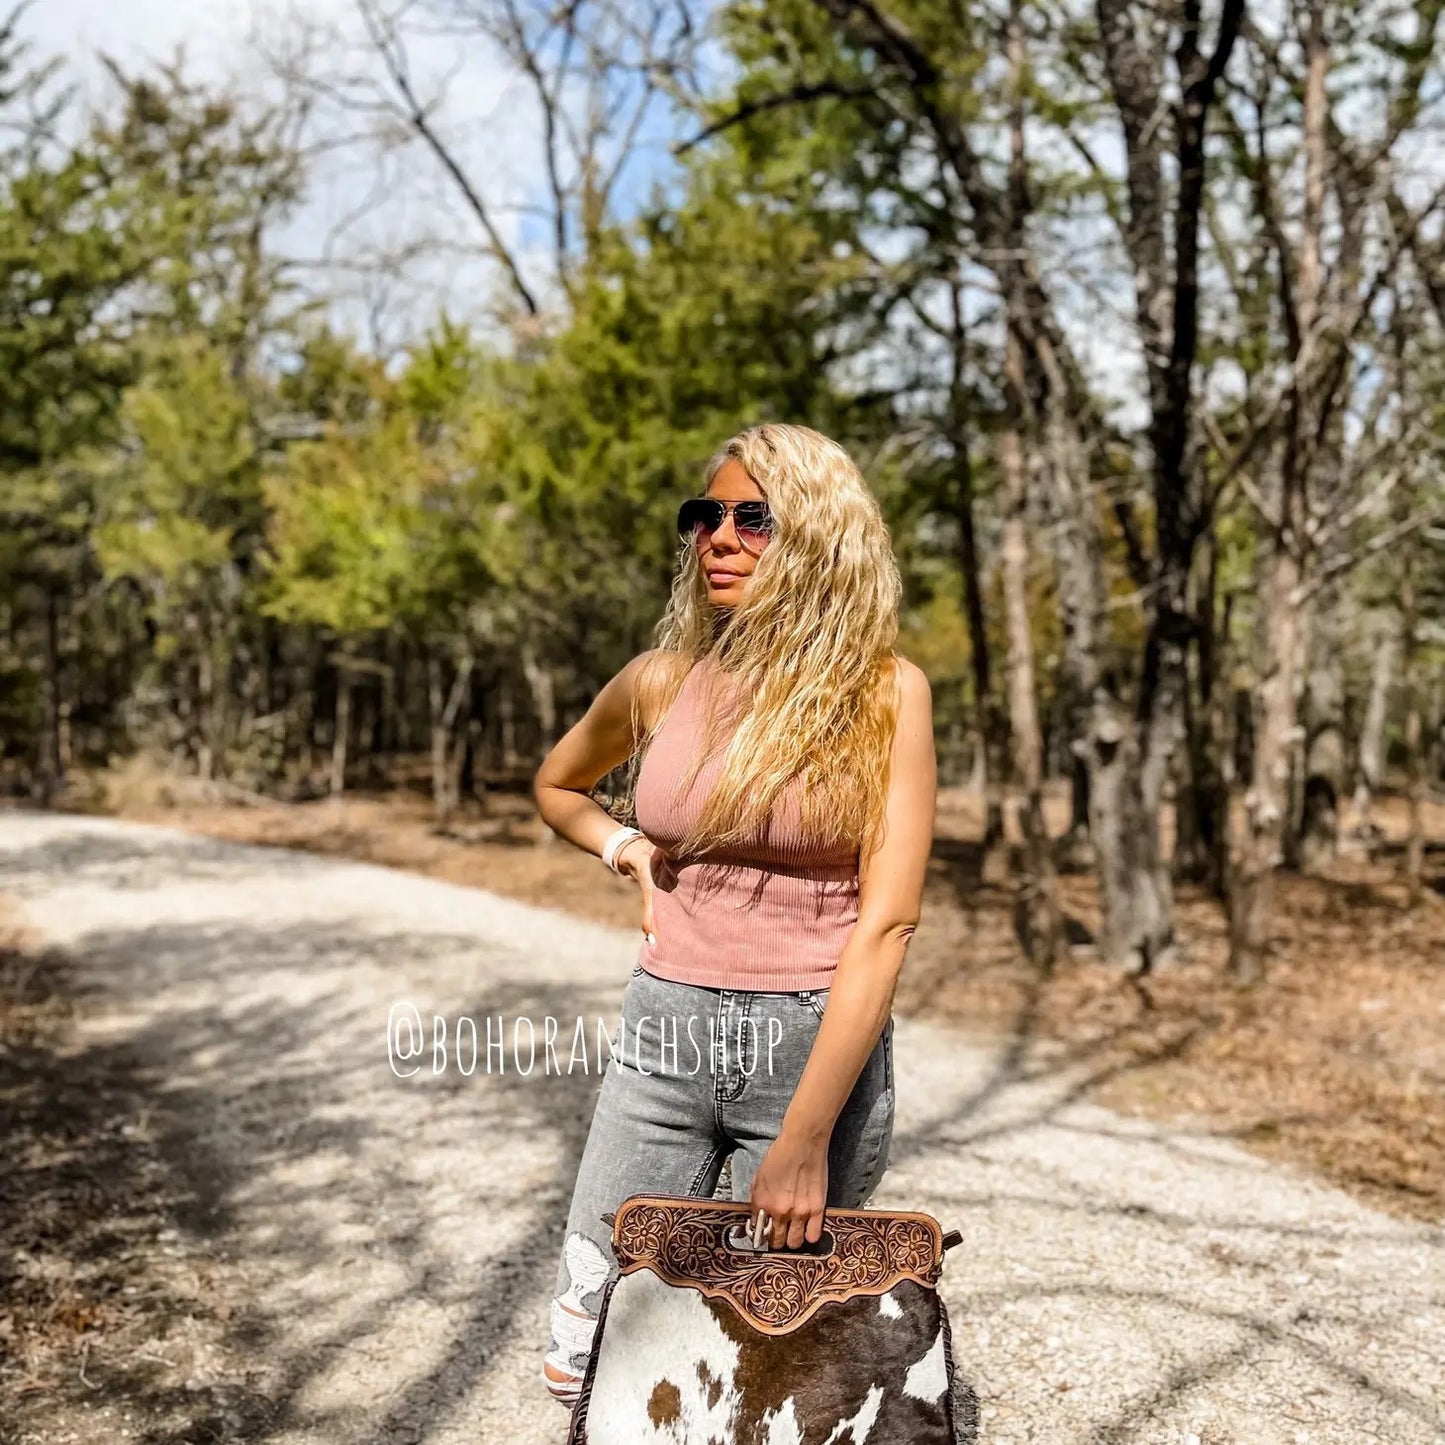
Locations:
(387, 84)
(1332, 272)
(1161, 235)
(1041, 926)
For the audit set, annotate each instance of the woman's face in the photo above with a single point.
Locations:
(725, 562)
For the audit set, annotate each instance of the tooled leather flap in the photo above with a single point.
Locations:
(683, 1240)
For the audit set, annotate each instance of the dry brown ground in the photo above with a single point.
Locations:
(96, 1247)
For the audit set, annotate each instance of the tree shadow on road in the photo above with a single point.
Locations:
(238, 1153)
(142, 1272)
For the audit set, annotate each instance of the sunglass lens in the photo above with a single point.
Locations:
(754, 522)
(699, 514)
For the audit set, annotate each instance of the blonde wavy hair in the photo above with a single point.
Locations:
(811, 641)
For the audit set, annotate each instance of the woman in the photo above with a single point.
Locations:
(785, 803)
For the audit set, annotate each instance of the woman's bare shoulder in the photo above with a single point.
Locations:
(912, 682)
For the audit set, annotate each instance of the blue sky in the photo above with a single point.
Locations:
(361, 204)
(134, 28)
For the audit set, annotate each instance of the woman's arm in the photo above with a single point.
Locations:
(791, 1183)
(597, 743)
(601, 740)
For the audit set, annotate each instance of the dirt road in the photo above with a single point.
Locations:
(384, 1241)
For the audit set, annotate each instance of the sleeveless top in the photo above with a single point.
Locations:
(772, 915)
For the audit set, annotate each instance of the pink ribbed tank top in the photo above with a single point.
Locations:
(771, 916)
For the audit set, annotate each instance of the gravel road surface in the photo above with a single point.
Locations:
(386, 1244)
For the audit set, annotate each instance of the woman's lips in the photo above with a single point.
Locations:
(719, 576)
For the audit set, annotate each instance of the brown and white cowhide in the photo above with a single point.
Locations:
(867, 1370)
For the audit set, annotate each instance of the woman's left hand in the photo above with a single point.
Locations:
(791, 1187)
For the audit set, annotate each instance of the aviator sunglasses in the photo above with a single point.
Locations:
(699, 517)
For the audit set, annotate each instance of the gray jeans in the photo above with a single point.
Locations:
(701, 1074)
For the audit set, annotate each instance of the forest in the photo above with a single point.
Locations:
(1132, 312)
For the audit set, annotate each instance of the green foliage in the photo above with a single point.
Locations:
(133, 292)
(688, 326)
(346, 533)
(398, 520)
(207, 487)
(328, 379)
(178, 502)
(203, 178)
(63, 262)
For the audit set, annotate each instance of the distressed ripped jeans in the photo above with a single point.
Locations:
(701, 1074)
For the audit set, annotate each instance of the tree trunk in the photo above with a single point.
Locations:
(989, 742)
(1202, 801)
(1252, 900)
(226, 695)
(367, 728)
(445, 745)
(387, 729)
(962, 756)
(989, 739)
(470, 746)
(1433, 755)
(1190, 852)
(1372, 731)
(1324, 743)
(1160, 729)
(544, 697)
(1137, 916)
(52, 750)
(403, 714)
(506, 722)
(1165, 271)
(341, 731)
(205, 703)
(310, 701)
(1414, 756)
(1223, 743)
(1082, 593)
(1038, 911)
(1129, 758)
(1266, 801)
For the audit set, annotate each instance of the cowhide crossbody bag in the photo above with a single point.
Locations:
(703, 1339)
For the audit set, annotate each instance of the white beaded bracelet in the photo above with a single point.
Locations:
(611, 847)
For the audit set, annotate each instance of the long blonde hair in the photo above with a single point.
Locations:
(811, 645)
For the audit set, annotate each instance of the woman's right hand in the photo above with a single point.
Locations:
(634, 860)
